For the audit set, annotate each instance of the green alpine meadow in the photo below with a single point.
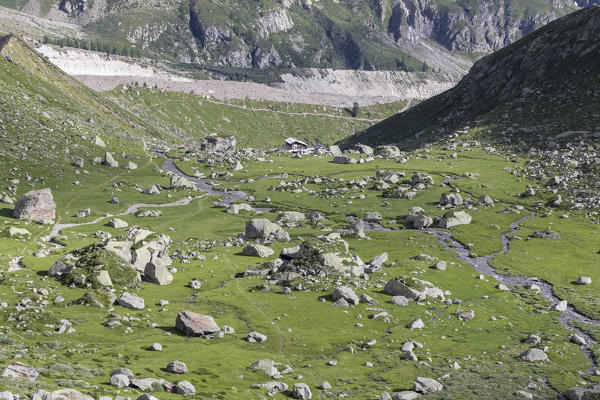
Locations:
(299, 199)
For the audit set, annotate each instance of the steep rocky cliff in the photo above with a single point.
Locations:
(541, 86)
(477, 26)
(410, 35)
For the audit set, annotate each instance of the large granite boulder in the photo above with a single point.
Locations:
(454, 218)
(263, 229)
(193, 324)
(37, 205)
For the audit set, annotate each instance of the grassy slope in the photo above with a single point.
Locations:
(258, 124)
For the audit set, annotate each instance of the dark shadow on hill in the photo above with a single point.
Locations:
(542, 80)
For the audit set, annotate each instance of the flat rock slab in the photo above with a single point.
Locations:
(19, 370)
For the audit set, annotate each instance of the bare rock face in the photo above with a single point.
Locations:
(192, 324)
(37, 205)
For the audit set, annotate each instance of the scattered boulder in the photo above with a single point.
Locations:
(67, 394)
(548, 235)
(454, 218)
(109, 160)
(584, 280)
(290, 217)
(19, 370)
(180, 182)
(117, 223)
(156, 272)
(578, 340)
(405, 395)
(272, 387)
(377, 262)
(344, 160)
(79, 162)
(177, 367)
(301, 391)
(255, 337)
(101, 278)
(344, 292)
(534, 355)
(399, 301)
(214, 143)
(268, 366)
(129, 300)
(185, 388)
(561, 306)
(427, 385)
(37, 205)
(412, 288)
(533, 339)
(423, 178)
(257, 250)
(195, 284)
(152, 189)
(440, 265)
(419, 221)
(236, 208)
(18, 232)
(123, 371)
(265, 230)
(364, 149)
(97, 140)
(416, 324)
(192, 324)
(465, 315)
(451, 200)
(373, 216)
(486, 200)
(119, 380)
(387, 151)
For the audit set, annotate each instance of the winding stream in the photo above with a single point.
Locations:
(482, 265)
(202, 184)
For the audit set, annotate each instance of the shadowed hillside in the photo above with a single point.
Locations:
(539, 87)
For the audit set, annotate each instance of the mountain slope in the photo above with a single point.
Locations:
(41, 103)
(266, 34)
(539, 87)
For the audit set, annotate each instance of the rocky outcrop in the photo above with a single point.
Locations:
(485, 27)
(215, 143)
(275, 21)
